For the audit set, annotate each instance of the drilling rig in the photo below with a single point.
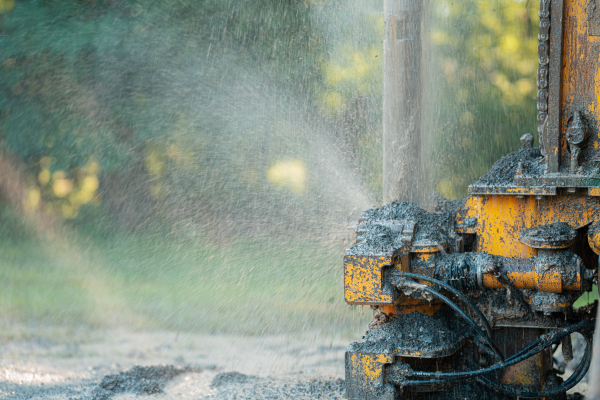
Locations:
(472, 300)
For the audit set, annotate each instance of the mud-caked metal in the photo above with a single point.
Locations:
(470, 300)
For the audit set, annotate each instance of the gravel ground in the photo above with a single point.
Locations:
(125, 365)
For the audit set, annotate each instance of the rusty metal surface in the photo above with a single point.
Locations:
(500, 219)
(594, 18)
(580, 89)
(365, 378)
(364, 280)
(530, 373)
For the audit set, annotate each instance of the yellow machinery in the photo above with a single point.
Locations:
(471, 300)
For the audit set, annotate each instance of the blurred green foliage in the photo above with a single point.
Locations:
(194, 96)
(483, 86)
(118, 84)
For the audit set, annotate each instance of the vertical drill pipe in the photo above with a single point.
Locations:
(594, 392)
(401, 99)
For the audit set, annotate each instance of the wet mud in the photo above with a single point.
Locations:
(549, 234)
(138, 380)
(169, 366)
(383, 229)
(437, 335)
(156, 382)
(230, 378)
(504, 170)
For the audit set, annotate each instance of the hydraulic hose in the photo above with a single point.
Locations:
(455, 292)
(494, 349)
(539, 345)
(573, 380)
(531, 350)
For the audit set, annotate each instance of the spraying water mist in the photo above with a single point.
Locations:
(180, 168)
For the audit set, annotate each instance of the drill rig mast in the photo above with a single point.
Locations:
(470, 300)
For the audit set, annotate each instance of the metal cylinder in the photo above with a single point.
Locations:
(401, 99)
(530, 373)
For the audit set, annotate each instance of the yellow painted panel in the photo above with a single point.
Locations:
(369, 367)
(581, 71)
(500, 219)
(363, 280)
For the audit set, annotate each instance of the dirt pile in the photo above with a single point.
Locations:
(383, 228)
(138, 380)
(503, 171)
(230, 378)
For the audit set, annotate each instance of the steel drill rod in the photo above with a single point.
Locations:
(594, 392)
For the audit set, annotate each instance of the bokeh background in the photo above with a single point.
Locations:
(195, 165)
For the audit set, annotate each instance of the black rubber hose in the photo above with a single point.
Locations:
(573, 380)
(455, 292)
(417, 286)
(414, 285)
(515, 359)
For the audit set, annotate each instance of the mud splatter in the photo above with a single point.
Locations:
(381, 236)
(504, 170)
(138, 380)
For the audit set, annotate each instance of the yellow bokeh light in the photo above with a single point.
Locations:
(92, 167)
(33, 199)
(89, 184)
(62, 187)
(439, 38)
(44, 177)
(68, 211)
(446, 188)
(6, 5)
(288, 174)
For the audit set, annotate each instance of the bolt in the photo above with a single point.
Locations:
(488, 268)
(520, 168)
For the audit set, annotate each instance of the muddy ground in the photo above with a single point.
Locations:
(121, 365)
(125, 365)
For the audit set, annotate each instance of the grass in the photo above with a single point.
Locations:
(587, 298)
(158, 281)
(80, 281)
